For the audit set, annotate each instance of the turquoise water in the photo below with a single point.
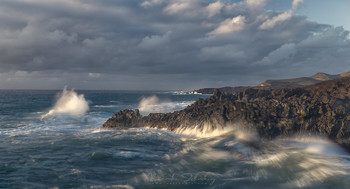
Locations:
(67, 148)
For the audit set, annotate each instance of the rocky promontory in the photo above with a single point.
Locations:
(323, 108)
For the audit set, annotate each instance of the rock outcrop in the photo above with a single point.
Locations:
(323, 108)
(125, 118)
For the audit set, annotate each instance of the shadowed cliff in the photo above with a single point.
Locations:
(323, 108)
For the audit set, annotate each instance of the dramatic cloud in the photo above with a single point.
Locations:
(296, 3)
(181, 6)
(255, 4)
(230, 25)
(214, 8)
(270, 23)
(151, 3)
(161, 44)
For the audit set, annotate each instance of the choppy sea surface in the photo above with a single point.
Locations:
(52, 139)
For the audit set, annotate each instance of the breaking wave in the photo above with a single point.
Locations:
(68, 103)
(207, 130)
(238, 159)
(153, 104)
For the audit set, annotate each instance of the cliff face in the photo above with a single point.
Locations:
(323, 108)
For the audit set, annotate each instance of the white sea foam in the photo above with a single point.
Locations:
(318, 145)
(153, 104)
(317, 169)
(304, 161)
(68, 103)
(209, 130)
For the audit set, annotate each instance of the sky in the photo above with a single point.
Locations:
(169, 44)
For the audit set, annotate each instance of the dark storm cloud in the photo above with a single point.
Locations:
(161, 44)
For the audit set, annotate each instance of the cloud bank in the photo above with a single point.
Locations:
(161, 44)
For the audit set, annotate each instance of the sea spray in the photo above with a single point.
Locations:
(68, 103)
(153, 104)
(305, 160)
(207, 130)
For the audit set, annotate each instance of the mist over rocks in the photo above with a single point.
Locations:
(320, 109)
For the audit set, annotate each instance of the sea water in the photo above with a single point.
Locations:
(53, 139)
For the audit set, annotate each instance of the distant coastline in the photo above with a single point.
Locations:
(276, 84)
(320, 109)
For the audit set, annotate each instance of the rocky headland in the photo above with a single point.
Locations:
(322, 108)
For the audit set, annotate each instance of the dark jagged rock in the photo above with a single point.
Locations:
(323, 108)
(125, 118)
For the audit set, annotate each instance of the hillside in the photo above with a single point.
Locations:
(279, 84)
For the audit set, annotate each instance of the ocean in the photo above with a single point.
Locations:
(53, 139)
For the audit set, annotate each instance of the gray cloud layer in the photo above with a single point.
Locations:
(160, 44)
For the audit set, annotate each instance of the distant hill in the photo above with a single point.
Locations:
(345, 74)
(279, 84)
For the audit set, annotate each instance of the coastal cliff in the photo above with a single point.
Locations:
(323, 108)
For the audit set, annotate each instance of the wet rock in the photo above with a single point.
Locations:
(124, 118)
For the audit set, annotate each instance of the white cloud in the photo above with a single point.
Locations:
(179, 6)
(271, 23)
(151, 3)
(230, 25)
(268, 24)
(255, 4)
(214, 8)
(296, 3)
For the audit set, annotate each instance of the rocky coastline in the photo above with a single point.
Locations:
(322, 109)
